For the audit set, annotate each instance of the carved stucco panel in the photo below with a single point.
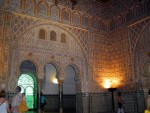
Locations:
(3, 46)
(34, 58)
(134, 32)
(12, 83)
(111, 59)
(5, 49)
(141, 58)
(47, 50)
(119, 57)
(19, 24)
(82, 35)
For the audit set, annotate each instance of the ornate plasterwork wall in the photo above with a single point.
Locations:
(23, 23)
(4, 49)
(103, 10)
(50, 11)
(139, 34)
(119, 57)
(101, 54)
(112, 58)
(113, 14)
(28, 46)
(134, 12)
(100, 57)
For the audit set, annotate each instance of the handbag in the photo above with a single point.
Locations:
(146, 111)
(22, 106)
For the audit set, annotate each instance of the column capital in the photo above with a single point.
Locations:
(40, 80)
(40, 76)
(60, 82)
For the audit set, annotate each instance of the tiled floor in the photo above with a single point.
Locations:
(49, 112)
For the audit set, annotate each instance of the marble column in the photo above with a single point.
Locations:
(39, 91)
(60, 96)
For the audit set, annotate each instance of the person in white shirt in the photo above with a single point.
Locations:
(4, 103)
(16, 100)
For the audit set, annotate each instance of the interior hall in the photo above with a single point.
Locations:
(78, 53)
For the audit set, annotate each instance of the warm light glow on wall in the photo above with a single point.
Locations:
(107, 83)
(111, 83)
(54, 80)
(110, 78)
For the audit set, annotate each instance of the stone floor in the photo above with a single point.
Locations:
(37, 112)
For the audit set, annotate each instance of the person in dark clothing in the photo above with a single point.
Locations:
(120, 101)
(42, 102)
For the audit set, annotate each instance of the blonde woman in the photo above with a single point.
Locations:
(148, 101)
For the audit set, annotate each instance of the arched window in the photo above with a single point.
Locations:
(27, 66)
(28, 83)
(53, 36)
(27, 86)
(2, 2)
(95, 23)
(65, 16)
(54, 13)
(63, 38)
(146, 71)
(119, 21)
(76, 19)
(42, 10)
(128, 17)
(42, 34)
(138, 12)
(103, 26)
(29, 6)
(85, 21)
(148, 6)
(112, 25)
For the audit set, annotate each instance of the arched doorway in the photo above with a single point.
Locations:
(50, 87)
(28, 83)
(69, 89)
